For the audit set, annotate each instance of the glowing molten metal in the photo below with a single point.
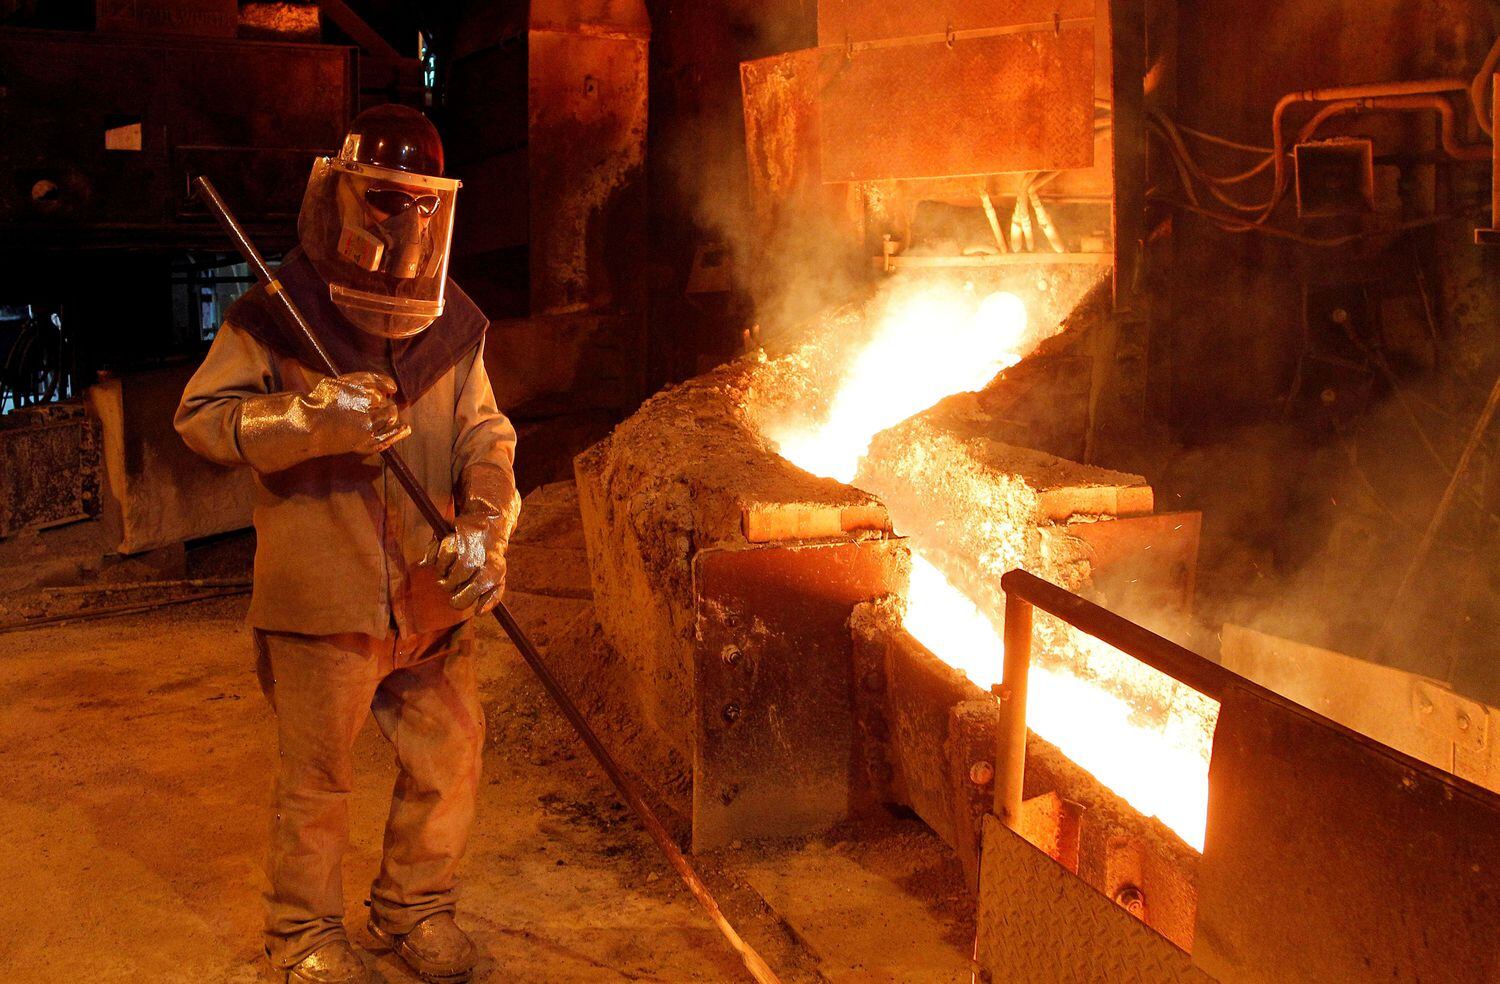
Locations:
(1159, 767)
(931, 344)
(1137, 732)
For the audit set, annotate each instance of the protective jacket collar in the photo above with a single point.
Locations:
(415, 363)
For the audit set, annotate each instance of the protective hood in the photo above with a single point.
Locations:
(380, 238)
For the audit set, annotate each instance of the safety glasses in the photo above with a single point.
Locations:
(394, 200)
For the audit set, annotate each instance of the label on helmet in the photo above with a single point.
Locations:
(361, 248)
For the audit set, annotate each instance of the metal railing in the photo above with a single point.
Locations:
(1025, 592)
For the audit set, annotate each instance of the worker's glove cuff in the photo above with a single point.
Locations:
(489, 489)
(348, 414)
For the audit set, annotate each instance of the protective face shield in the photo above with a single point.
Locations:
(377, 221)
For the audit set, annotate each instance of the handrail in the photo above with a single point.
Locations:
(1023, 592)
(1158, 652)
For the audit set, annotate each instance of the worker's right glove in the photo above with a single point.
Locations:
(348, 414)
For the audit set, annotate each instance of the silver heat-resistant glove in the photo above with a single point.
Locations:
(348, 414)
(470, 561)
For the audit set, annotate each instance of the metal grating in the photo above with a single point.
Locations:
(1040, 924)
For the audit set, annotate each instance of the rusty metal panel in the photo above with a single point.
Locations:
(1330, 857)
(788, 196)
(780, 97)
(852, 21)
(774, 744)
(612, 18)
(1139, 563)
(249, 115)
(1008, 102)
(1413, 714)
(1039, 924)
(157, 491)
(586, 171)
(781, 121)
(49, 467)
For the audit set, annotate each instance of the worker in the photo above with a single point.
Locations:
(354, 609)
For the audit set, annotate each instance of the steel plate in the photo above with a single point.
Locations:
(775, 726)
(1330, 857)
(844, 21)
(1010, 102)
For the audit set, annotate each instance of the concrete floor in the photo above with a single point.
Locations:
(137, 772)
(133, 792)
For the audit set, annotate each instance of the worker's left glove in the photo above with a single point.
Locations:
(470, 561)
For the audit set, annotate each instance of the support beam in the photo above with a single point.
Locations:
(369, 39)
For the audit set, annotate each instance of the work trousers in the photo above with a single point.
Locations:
(422, 690)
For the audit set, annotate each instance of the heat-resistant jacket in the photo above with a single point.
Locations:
(338, 542)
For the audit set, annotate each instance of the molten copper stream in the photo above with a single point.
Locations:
(1137, 731)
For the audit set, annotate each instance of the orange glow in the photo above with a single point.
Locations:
(932, 342)
(1139, 733)
(1157, 763)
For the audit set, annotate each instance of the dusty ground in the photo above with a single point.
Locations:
(133, 792)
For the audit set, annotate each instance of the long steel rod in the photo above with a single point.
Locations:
(91, 614)
(442, 527)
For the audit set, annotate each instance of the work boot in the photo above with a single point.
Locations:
(436, 949)
(331, 963)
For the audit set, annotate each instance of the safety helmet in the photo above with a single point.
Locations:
(377, 222)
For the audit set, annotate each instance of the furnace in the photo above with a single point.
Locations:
(808, 644)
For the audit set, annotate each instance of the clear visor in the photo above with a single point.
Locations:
(380, 238)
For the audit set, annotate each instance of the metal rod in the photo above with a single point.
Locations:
(1447, 116)
(441, 526)
(115, 587)
(1182, 665)
(1010, 736)
(90, 614)
(993, 219)
(1398, 605)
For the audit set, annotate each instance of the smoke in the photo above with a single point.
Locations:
(792, 261)
(1313, 508)
(1311, 527)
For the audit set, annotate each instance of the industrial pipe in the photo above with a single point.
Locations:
(1436, 103)
(1482, 81)
(1341, 93)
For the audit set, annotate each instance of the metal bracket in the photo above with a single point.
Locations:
(1464, 722)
